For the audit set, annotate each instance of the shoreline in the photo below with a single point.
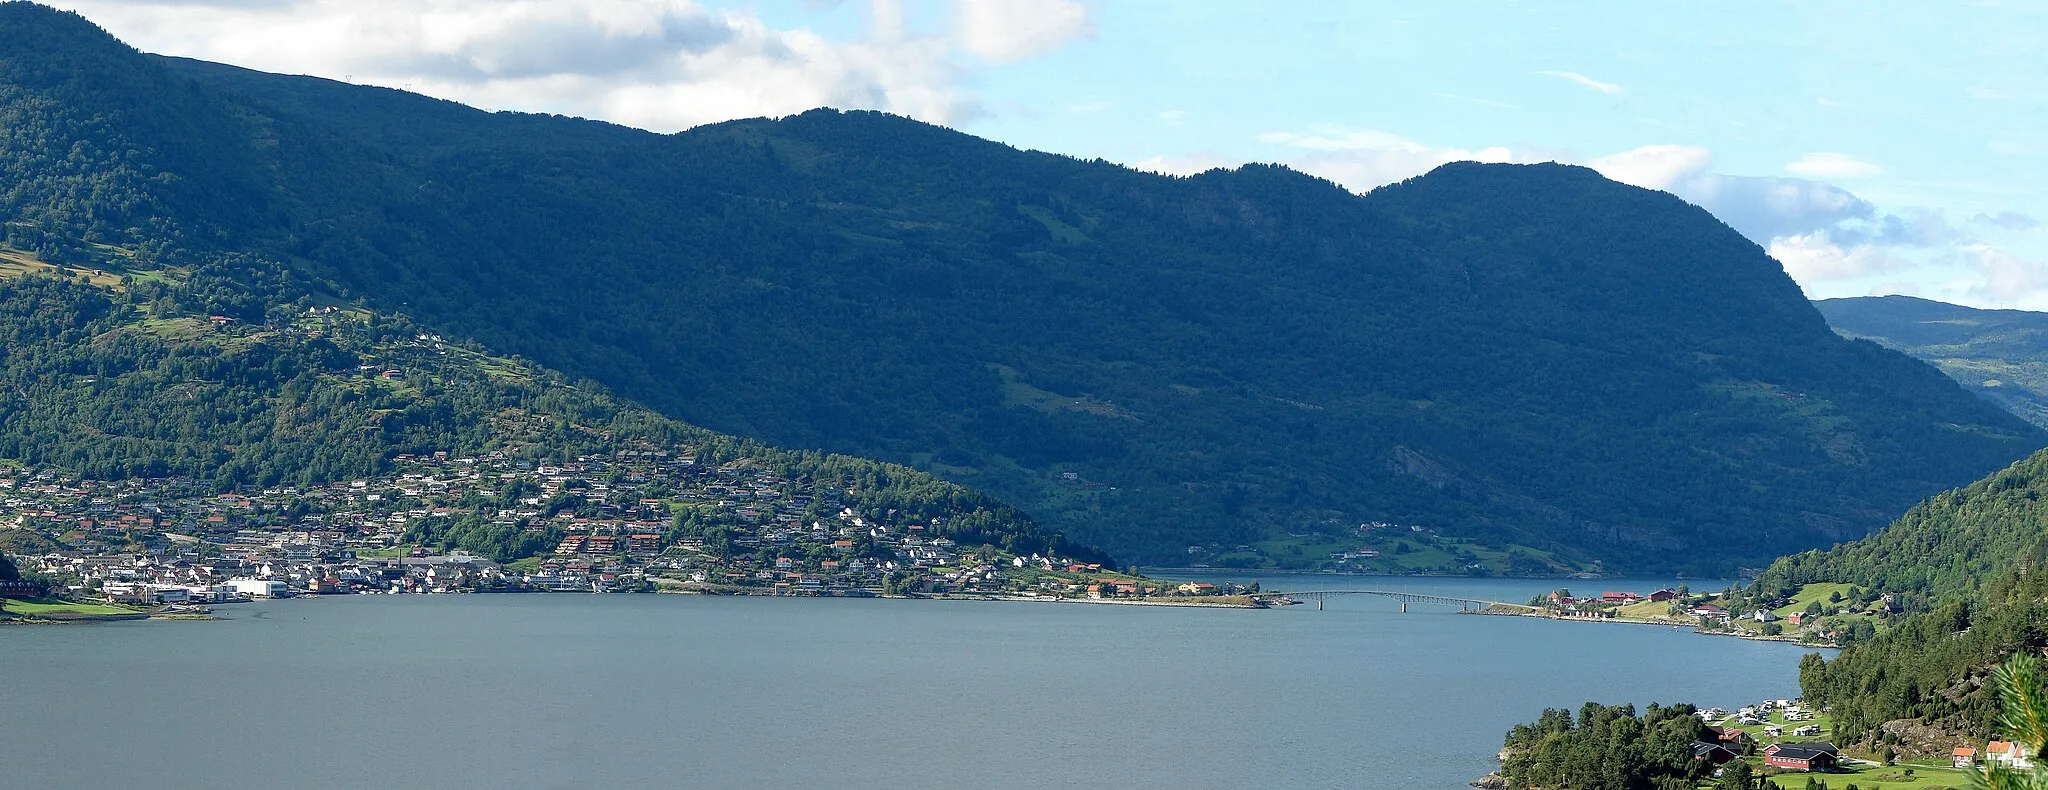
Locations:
(1280, 572)
(169, 612)
(1227, 602)
(1192, 602)
(1696, 629)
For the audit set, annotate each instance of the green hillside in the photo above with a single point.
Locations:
(1944, 549)
(123, 382)
(1962, 574)
(2002, 355)
(1172, 368)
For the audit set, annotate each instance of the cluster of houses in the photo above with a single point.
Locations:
(1604, 606)
(1729, 743)
(1732, 742)
(2008, 754)
(1704, 611)
(1789, 756)
(178, 540)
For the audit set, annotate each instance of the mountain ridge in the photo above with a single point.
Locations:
(2001, 355)
(1174, 367)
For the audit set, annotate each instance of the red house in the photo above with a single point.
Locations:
(1619, 597)
(1665, 594)
(1802, 756)
(1729, 735)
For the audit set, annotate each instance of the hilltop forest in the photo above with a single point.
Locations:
(1237, 368)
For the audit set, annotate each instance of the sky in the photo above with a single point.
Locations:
(1871, 147)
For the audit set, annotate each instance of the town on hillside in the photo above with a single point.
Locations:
(628, 521)
(1820, 614)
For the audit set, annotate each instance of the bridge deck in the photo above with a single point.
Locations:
(1404, 597)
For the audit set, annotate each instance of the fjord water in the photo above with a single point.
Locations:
(680, 691)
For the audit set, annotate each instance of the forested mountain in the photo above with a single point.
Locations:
(1171, 367)
(120, 380)
(1946, 548)
(2001, 355)
(1965, 568)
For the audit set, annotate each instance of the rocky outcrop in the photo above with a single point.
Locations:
(1914, 738)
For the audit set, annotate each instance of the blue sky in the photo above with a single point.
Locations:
(1871, 147)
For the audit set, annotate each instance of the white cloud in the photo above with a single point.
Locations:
(657, 64)
(1829, 164)
(1608, 88)
(1002, 31)
(1360, 159)
(2008, 220)
(1187, 165)
(1762, 208)
(1654, 166)
(1815, 257)
(2006, 279)
(1765, 208)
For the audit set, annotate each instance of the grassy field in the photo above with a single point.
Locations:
(1827, 729)
(1018, 392)
(15, 263)
(1649, 610)
(1813, 593)
(1871, 777)
(47, 607)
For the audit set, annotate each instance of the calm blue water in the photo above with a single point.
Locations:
(675, 691)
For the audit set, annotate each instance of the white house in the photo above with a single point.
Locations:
(259, 588)
(2007, 753)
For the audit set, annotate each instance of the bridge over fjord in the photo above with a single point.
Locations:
(1406, 598)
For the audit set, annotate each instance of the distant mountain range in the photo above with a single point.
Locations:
(1237, 368)
(2001, 355)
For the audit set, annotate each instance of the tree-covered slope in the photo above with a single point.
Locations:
(2001, 355)
(1944, 549)
(1965, 567)
(121, 381)
(1930, 668)
(1962, 573)
(1518, 354)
